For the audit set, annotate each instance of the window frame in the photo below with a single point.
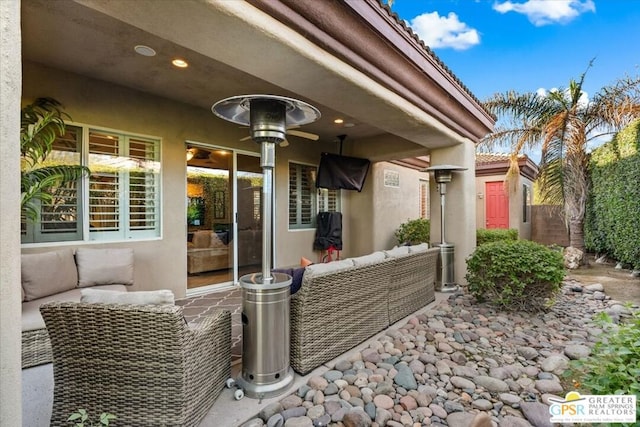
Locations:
(320, 198)
(126, 231)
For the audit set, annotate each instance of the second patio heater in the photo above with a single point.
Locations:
(265, 296)
(445, 281)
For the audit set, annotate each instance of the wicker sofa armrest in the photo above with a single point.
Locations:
(412, 284)
(208, 359)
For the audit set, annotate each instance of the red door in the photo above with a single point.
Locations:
(497, 207)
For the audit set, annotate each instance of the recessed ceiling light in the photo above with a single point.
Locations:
(144, 50)
(180, 63)
(338, 121)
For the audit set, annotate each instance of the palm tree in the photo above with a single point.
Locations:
(561, 124)
(40, 124)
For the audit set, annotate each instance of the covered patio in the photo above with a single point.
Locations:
(354, 61)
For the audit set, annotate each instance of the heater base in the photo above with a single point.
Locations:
(448, 288)
(265, 391)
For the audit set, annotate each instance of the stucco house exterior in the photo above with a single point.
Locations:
(353, 60)
(500, 204)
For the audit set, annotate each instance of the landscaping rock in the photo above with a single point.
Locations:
(475, 358)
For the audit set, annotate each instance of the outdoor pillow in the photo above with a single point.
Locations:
(327, 268)
(48, 273)
(305, 262)
(104, 266)
(397, 251)
(161, 297)
(422, 247)
(369, 259)
(296, 277)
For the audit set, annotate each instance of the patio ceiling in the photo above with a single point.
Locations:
(234, 48)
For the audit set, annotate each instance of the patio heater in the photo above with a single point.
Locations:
(445, 281)
(265, 296)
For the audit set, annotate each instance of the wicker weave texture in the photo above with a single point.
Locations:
(36, 348)
(333, 313)
(412, 284)
(139, 362)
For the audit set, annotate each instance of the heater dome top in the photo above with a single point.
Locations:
(237, 109)
(452, 168)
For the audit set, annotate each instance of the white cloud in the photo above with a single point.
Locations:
(544, 12)
(444, 31)
(583, 101)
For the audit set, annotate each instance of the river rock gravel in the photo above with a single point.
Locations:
(449, 362)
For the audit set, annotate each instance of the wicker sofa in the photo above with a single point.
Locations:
(60, 276)
(142, 363)
(343, 303)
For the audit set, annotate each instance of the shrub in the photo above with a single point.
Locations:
(515, 275)
(488, 235)
(414, 231)
(614, 364)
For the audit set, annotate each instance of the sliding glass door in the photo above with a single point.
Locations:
(224, 237)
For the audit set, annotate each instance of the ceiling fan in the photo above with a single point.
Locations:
(292, 131)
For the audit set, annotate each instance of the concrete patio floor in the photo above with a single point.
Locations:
(37, 382)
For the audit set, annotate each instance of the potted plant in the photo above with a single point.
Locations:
(414, 232)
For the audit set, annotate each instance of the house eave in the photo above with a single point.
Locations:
(387, 52)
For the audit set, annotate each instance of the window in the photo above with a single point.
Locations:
(305, 201)
(119, 200)
(526, 202)
(425, 209)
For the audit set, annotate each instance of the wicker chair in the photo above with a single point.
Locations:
(142, 363)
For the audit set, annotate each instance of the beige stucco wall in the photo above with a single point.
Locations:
(10, 309)
(515, 204)
(161, 263)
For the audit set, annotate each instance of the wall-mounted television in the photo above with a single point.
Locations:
(342, 172)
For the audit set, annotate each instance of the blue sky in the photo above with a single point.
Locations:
(526, 45)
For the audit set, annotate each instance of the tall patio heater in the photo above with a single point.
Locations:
(265, 296)
(445, 281)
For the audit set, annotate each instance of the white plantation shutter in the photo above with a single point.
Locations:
(143, 186)
(328, 200)
(123, 187)
(302, 208)
(305, 201)
(425, 209)
(59, 220)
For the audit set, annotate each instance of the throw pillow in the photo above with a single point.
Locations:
(328, 268)
(422, 247)
(216, 242)
(369, 259)
(397, 251)
(161, 297)
(305, 262)
(296, 277)
(201, 239)
(48, 273)
(104, 266)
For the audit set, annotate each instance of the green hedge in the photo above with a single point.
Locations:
(612, 220)
(515, 275)
(489, 235)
